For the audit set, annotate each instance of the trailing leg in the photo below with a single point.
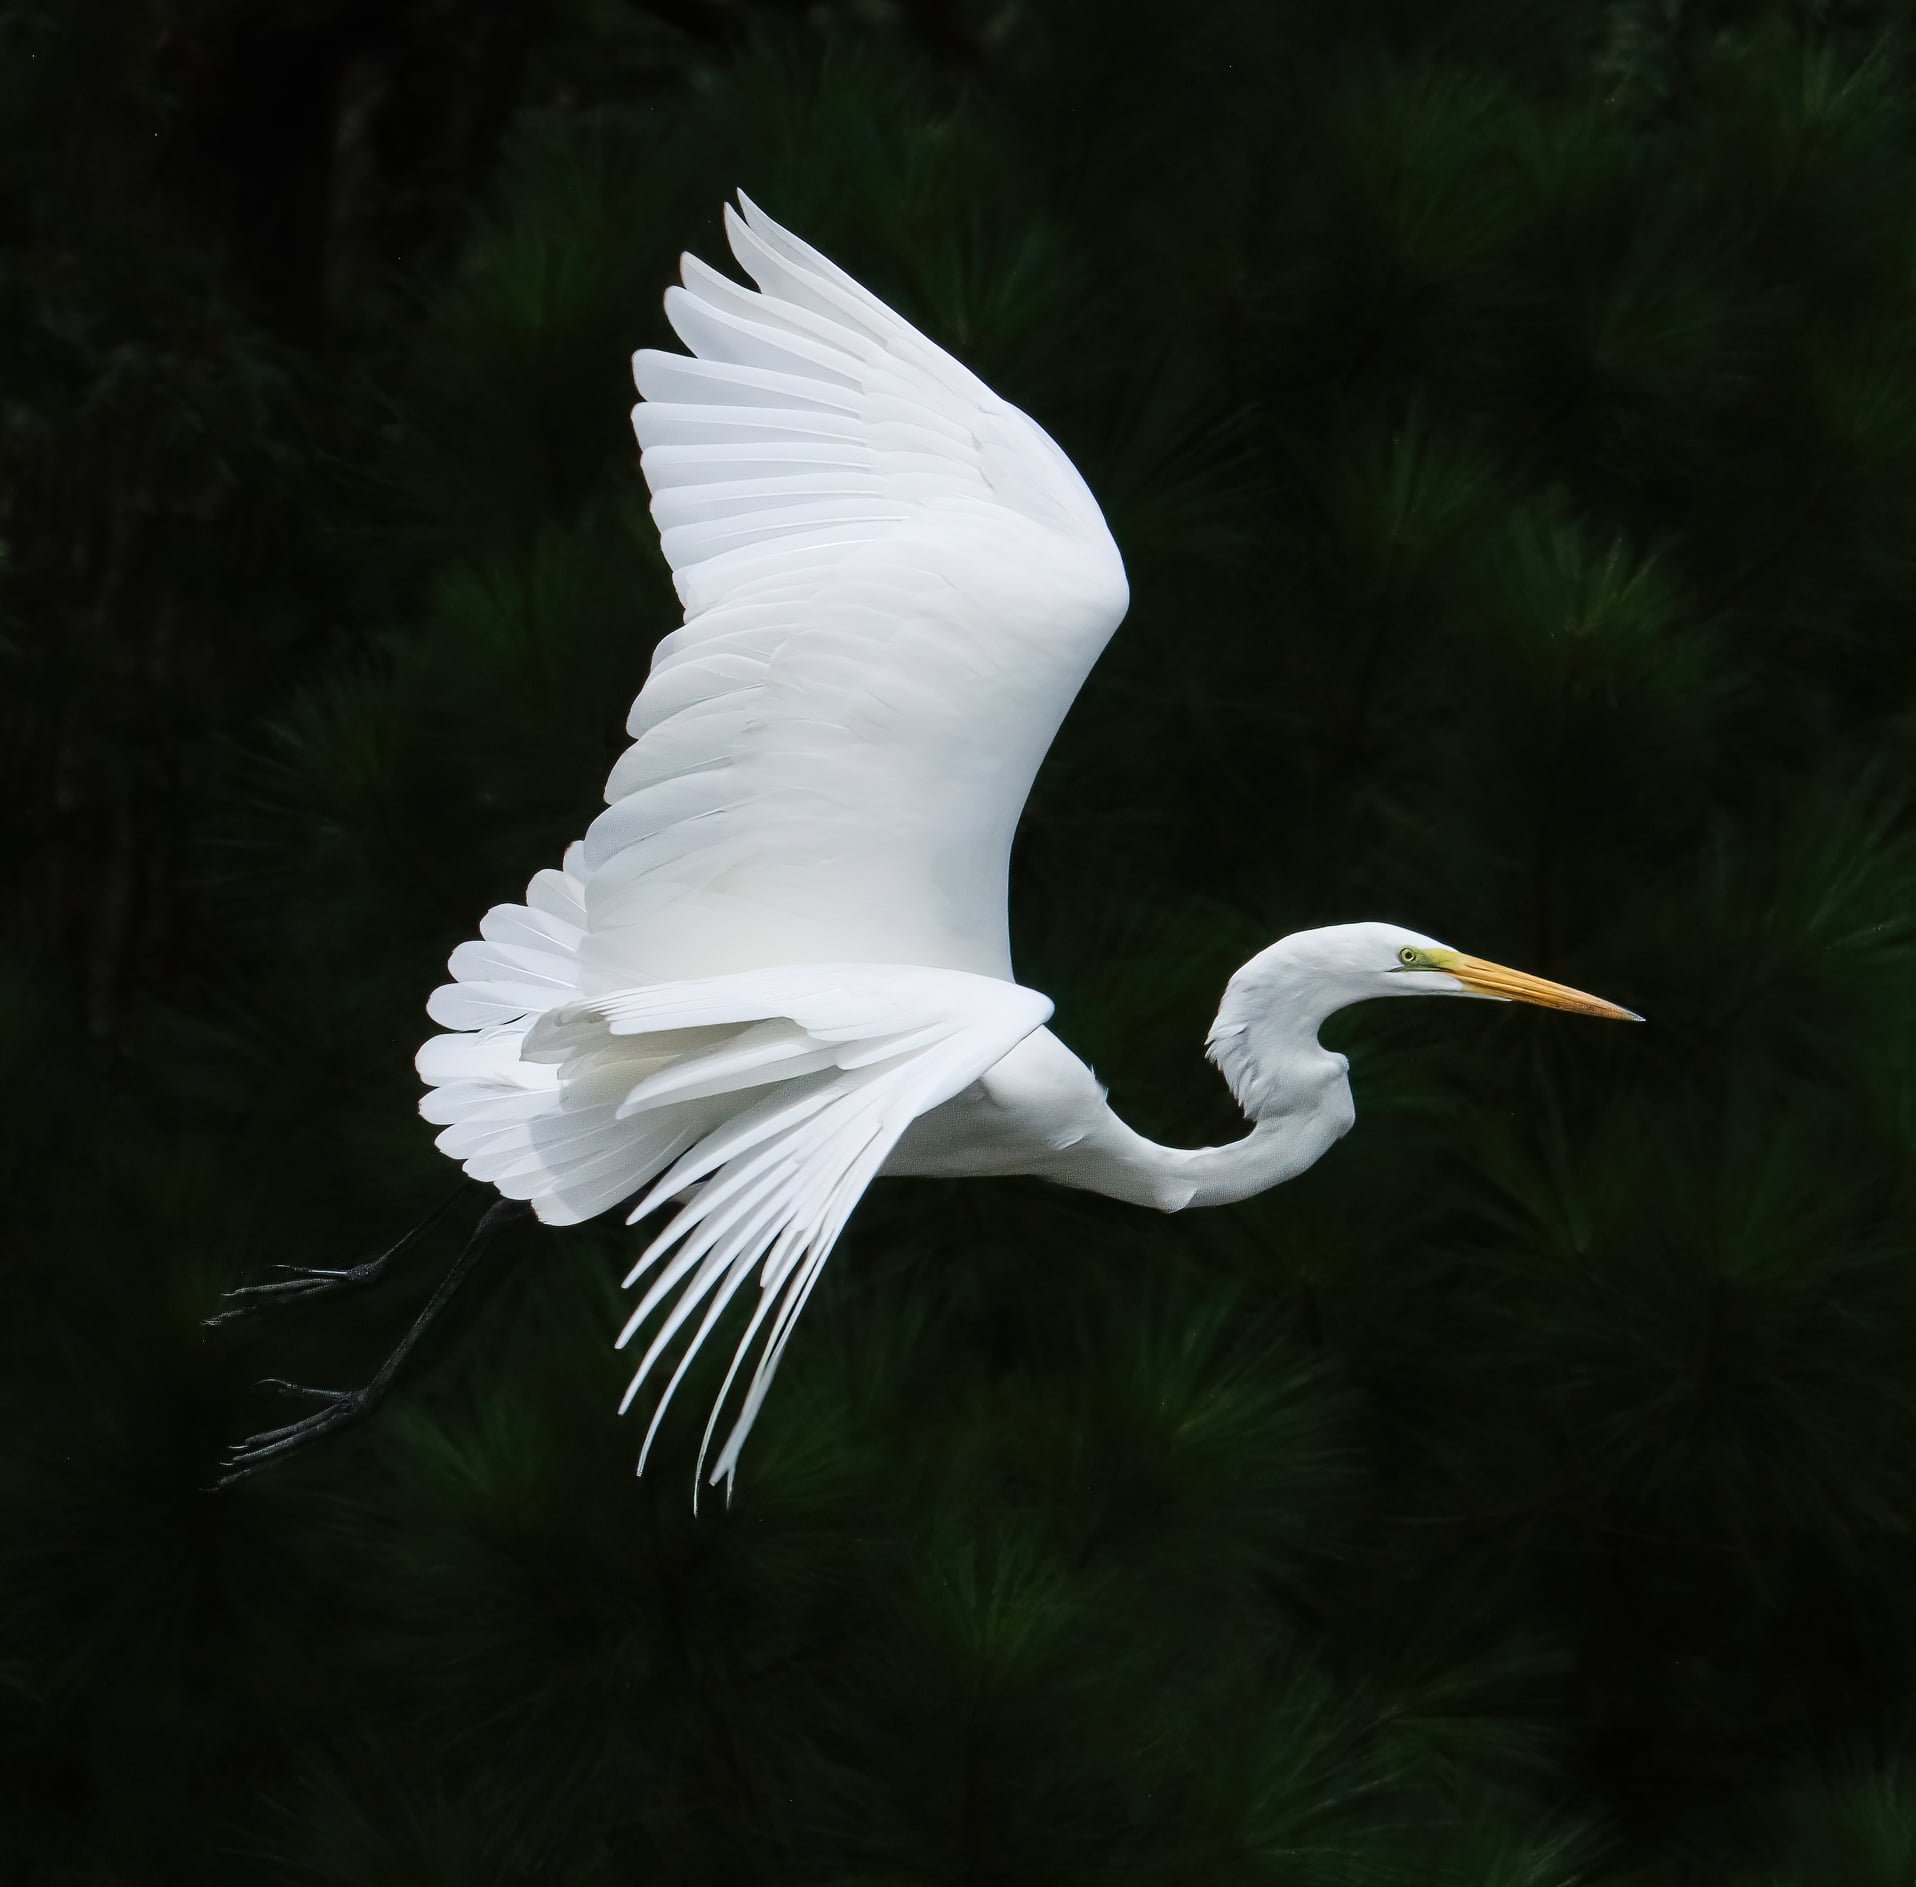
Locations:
(341, 1408)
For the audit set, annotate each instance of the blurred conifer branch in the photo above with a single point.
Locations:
(1510, 421)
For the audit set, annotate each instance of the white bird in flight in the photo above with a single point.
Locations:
(777, 965)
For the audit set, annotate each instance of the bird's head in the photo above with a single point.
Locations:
(1350, 963)
(1275, 1003)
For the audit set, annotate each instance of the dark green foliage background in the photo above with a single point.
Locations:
(1508, 414)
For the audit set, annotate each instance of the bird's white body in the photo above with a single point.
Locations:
(778, 963)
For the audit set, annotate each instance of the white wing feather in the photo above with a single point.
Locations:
(784, 939)
(894, 585)
(805, 1081)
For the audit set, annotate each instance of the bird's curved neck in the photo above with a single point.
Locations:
(1300, 1106)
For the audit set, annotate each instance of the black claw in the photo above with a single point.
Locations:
(261, 1450)
(302, 1281)
(303, 1389)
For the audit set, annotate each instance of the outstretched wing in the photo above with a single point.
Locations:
(764, 1103)
(894, 585)
(784, 939)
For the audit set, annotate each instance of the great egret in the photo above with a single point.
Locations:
(777, 964)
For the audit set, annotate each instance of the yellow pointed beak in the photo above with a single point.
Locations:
(1492, 979)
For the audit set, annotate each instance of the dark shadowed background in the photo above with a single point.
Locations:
(1508, 417)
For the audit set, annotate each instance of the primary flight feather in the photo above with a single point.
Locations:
(777, 965)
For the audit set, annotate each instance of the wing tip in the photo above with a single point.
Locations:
(737, 231)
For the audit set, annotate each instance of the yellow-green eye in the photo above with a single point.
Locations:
(1410, 957)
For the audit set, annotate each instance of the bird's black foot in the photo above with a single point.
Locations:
(339, 1408)
(299, 1283)
(302, 1283)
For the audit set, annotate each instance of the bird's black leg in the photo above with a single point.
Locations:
(303, 1282)
(340, 1408)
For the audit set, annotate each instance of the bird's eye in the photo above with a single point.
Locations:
(1407, 956)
